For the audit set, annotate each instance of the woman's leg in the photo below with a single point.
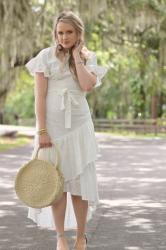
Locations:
(58, 210)
(80, 209)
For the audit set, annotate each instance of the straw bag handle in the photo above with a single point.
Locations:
(57, 153)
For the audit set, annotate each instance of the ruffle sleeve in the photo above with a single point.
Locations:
(92, 66)
(38, 64)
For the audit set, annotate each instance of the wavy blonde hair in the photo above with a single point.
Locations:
(70, 18)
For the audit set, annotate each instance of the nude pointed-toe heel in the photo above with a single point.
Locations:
(60, 247)
(82, 246)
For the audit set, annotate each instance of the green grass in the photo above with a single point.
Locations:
(133, 134)
(8, 143)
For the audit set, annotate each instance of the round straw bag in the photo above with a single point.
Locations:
(40, 183)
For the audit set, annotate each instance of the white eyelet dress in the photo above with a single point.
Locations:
(69, 124)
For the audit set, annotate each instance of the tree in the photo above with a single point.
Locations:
(129, 36)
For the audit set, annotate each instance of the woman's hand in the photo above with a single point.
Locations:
(44, 141)
(77, 48)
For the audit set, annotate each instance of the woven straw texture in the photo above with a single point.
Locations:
(39, 183)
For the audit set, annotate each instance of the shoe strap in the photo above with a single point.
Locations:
(81, 235)
(84, 236)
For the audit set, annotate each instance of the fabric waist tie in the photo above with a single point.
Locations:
(68, 98)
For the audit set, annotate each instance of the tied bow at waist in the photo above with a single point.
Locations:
(68, 98)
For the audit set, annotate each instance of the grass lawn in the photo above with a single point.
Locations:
(133, 134)
(8, 143)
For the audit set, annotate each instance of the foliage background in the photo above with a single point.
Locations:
(128, 36)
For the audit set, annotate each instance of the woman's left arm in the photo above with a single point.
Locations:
(87, 80)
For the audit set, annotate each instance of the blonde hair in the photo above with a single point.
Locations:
(70, 18)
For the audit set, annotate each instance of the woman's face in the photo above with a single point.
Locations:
(66, 35)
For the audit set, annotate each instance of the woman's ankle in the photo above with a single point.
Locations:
(60, 235)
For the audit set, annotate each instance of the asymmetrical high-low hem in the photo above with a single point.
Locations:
(69, 124)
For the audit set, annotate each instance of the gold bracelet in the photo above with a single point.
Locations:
(41, 131)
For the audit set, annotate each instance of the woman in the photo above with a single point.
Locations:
(64, 73)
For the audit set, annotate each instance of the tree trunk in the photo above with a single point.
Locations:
(154, 106)
(161, 103)
(2, 105)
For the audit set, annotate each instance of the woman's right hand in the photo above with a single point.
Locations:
(44, 141)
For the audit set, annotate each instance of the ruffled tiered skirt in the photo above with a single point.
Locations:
(78, 150)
